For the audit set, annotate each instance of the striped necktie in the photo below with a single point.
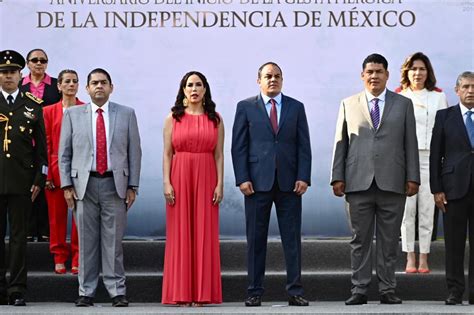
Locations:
(375, 113)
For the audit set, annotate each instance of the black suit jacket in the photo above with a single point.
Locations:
(51, 93)
(451, 154)
(25, 161)
(257, 151)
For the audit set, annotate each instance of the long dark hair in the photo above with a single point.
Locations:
(430, 83)
(209, 107)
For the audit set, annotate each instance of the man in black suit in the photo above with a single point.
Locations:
(452, 183)
(271, 153)
(23, 169)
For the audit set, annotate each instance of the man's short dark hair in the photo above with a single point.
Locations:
(375, 58)
(99, 70)
(266, 64)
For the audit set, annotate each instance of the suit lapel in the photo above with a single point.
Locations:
(18, 101)
(263, 111)
(59, 112)
(285, 106)
(89, 123)
(112, 115)
(4, 103)
(458, 124)
(387, 108)
(364, 108)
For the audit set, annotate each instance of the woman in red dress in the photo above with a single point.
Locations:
(193, 166)
(68, 84)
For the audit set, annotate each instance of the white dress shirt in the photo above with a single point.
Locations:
(464, 111)
(268, 105)
(105, 114)
(370, 102)
(14, 94)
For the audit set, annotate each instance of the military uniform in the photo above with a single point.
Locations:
(23, 163)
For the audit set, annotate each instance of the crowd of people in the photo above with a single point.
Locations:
(397, 157)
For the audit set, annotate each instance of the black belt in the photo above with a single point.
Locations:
(106, 174)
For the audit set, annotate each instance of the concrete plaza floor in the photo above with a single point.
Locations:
(320, 308)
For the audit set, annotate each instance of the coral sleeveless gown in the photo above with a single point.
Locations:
(192, 270)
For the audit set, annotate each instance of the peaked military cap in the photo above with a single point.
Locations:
(11, 60)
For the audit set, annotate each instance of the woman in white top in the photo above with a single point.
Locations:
(418, 82)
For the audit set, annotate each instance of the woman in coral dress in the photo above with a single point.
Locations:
(193, 167)
(68, 84)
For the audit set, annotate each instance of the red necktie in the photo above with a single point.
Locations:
(101, 144)
(273, 116)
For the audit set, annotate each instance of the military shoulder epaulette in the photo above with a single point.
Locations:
(35, 99)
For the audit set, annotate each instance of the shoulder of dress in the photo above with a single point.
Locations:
(35, 99)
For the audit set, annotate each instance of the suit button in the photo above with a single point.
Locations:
(10, 113)
(9, 127)
(9, 141)
(8, 155)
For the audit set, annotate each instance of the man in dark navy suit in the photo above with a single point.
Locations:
(271, 153)
(452, 183)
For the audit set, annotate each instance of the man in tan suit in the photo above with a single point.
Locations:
(375, 164)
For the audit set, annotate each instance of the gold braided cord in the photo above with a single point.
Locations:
(5, 119)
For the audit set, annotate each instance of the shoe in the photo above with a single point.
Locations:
(17, 299)
(357, 299)
(411, 270)
(60, 269)
(390, 298)
(119, 301)
(454, 299)
(297, 300)
(84, 301)
(43, 238)
(75, 270)
(30, 239)
(255, 300)
(423, 270)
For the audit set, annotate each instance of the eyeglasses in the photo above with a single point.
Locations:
(36, 60)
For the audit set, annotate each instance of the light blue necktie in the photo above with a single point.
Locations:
(470, 127)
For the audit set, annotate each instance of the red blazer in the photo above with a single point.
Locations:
(53, 116)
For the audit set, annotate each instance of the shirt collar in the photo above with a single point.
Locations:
(46, 79)
(381, 97)
(104, 107)
(463, 108)
(14, 94)
(266, 98)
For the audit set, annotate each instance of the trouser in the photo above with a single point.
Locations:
(14, 208)
(101, 217)
(58, 215)
(424, 202)
(257, 213)
(382, 210)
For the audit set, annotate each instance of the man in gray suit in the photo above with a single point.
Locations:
(99, 165)
(375, 164)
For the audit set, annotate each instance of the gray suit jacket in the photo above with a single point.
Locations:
(76, 152)
(388, 154)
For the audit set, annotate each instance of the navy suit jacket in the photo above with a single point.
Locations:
(450, 154)
(257, 151)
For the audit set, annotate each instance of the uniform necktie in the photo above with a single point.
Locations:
(273, 116)
(101, 144)
(375, 113)
(10, 99)
(470, 127)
